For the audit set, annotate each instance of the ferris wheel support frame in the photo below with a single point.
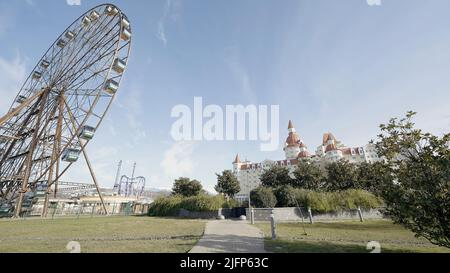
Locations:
(54, 153)
(86, 158)
(11, 114)
(29, 159)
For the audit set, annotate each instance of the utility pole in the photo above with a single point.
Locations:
(132, 179)
(116, 183)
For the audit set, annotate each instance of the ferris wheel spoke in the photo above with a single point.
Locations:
(74, 85)
(85, 92)
(25, 149)
(78, 44)
(73, 60)
(110, 53)
(89, 62)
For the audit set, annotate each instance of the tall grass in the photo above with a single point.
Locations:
(330, 202)
(170, 206)
(319, 202)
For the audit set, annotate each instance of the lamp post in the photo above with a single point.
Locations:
(252, 210)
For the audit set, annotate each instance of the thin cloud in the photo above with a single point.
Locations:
(133, 104)
(12, 76)
(162, 33)
(178, 160)
(172, 11)
(7, 18)
(240, 73)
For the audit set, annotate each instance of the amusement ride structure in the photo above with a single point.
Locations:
(129, 186)
(61, 106)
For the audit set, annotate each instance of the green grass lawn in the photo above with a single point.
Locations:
(100, 235)
(345, 237)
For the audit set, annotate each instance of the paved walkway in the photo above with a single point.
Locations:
(230, 237)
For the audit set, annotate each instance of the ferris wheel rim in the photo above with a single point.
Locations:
(35, 68)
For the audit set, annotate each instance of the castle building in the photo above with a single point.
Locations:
(331, 150)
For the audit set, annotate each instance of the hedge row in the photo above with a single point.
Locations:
(170, 206)
(319, 202)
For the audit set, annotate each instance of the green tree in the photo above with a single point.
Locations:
(341, 176)
(276, 176)
(228, 184)
(285, 197)
(418, 197)
(263, 197)
(371, 176)
(308, 176)
(187, 187)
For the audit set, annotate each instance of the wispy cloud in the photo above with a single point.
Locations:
(240, 73)
(12, 75)
(7, 18)
(178, 160)
(171, 13)
(162, 33)
(100, 157)
(133, 112)
(30, 2)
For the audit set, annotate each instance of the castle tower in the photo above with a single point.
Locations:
(329, 142)
(292, 147)
(303, 150)
(237, 164)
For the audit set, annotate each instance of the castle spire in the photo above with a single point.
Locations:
(237, 160)
(293, 140)
(291, 125)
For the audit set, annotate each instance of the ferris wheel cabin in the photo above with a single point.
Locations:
(71, 155)
(45, 64)
(126, 34)
(61, 43)
(21, 99)
(86, 21)
(119, 65)
(87, 133)
(37, 75)
(70, 35)
(94, 15)
(111, 11)
(125, 23)
(111, 86)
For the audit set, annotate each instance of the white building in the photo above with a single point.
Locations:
(331, 150)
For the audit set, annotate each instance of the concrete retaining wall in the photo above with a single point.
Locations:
(227, 213)
(296, 214)
(285, 215)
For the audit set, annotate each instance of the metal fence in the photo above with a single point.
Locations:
(88, 209)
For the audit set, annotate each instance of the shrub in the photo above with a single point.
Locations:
(326, 202)
(165, 206)
(319, 202)
(285, 196)
(170, 206)
(363, 199)
(263, 197)
(203, 203)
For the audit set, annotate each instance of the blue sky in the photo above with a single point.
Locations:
(339, 66)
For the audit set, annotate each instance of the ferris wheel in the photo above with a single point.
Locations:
(62, 104)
